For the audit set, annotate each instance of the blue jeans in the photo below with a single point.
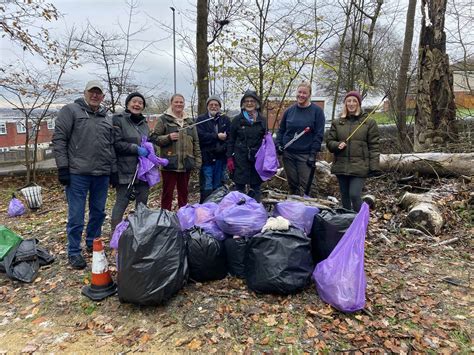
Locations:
(76, 193)
(212, 175)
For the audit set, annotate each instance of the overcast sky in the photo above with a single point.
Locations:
(154, 68)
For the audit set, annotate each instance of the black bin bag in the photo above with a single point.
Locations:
(328, 228)
(218, 194)
(235, 252)
(152, 264)
(206, 256)
(278, 262)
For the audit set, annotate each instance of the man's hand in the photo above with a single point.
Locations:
(342, 145)
(222, 136)
(64, 177)
(311, 161)
(114, 180)
(280, 150)
(143, 152)
(174, 136)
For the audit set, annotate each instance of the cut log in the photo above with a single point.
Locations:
(271, 197)
(423, 213)
(438, 164)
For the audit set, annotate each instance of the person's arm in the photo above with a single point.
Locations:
(206, 136)
(196, 149)
(281, 130)
(373, 138)
(122, 147)
(332, 140)
(159, 136)
(318, 134)
(62, 134)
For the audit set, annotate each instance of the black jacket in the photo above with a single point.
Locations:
(244, 141)
(212, 148)
(128, 137)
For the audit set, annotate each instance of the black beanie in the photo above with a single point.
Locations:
(131, 96)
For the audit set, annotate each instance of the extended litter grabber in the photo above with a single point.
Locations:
(297, 136)
(131, 193)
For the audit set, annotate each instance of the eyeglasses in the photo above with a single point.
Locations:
(250, 102)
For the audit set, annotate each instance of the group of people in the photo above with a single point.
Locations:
(93, 151)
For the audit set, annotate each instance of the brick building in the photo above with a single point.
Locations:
(273, 110)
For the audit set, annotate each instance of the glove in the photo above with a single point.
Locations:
(311, 161)
(63, 176)
(114, 180)
(143, 152)
(230, 164)
(280, 150)
(375, 173)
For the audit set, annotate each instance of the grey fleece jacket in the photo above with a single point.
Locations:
(83, 140)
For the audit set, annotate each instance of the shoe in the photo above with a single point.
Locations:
(77, 262)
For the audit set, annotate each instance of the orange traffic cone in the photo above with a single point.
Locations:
(102, 285)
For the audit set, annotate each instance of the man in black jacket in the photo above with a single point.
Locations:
(83, 143)
(213, 135)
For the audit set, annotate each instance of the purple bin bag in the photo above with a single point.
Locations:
(299, 215)
(205, 219)
(148, 167)
(239, 214)
(16, 208)
(266, 159)
(119, 229)
(186, 217)
(340, 279)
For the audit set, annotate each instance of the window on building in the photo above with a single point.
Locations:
(20, 127)
(3, 128)
(51, 124)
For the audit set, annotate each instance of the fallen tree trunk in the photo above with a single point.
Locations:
(439, 164)
(271, 197)
(423, 212)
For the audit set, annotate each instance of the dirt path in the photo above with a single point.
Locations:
(409, 305)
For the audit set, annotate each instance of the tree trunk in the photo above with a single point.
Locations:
(401, 106)
(435, 109)
(438, 164)
(202, 57)
(423, 213)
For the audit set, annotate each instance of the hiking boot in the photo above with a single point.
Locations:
(77, 262)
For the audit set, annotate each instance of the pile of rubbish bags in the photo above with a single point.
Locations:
(21, 258)
(231, 233)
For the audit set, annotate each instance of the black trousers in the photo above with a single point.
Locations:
(351, 191)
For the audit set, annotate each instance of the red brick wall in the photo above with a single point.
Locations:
(13, 138)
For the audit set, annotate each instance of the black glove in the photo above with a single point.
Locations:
(280, 150)
(63, 176)
(311, 161)
(114, 180)
(375, 173)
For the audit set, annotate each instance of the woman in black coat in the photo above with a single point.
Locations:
(129, 128)
(246, 136)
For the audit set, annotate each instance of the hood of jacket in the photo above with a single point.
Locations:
(82, 102)
(170, 112)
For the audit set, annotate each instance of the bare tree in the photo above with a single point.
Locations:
(435, 109)
(402, 83)
(115, 56)
(32, 90)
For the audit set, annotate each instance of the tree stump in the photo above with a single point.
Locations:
(423, 213)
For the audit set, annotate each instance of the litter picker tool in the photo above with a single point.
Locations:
(296, 137)
(366, 118)
(131, 194)
(195, 124)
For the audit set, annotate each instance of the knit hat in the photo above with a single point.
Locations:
(253, 95)
(354, 94)
(132, 95)
(214, 98)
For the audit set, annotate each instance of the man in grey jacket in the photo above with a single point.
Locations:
(83, 143)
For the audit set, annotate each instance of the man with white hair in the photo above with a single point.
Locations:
(83, 142)
(213, 135)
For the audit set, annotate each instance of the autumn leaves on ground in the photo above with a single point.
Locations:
(418, 295)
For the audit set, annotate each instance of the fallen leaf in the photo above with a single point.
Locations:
(289, 340)
(195, 344)
(270, 321)
(181, 341)
(35, 299)
(311, 332)
(265, 341)
(30, 348)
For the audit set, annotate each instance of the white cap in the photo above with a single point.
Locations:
(94, 84)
